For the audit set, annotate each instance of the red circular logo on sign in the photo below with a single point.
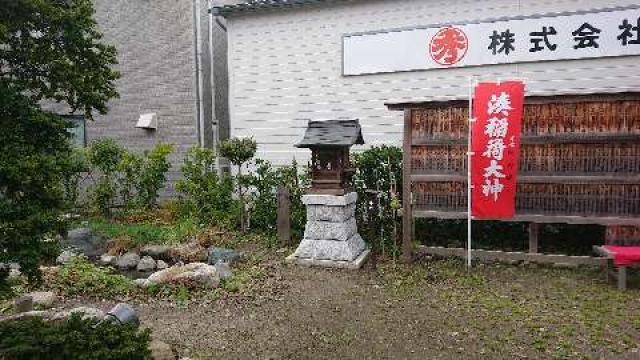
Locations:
(448, 46)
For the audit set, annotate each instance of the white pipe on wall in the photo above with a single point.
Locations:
(198, 71)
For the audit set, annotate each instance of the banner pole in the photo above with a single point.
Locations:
(469, 184)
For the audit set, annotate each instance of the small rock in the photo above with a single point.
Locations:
(128, 261)
(217, 254)
(124, 314)
(141, 282)
(161, 351)
(224, 271)
(161, 265)
(282, 251)
(107, 260)
(146, 264)
(44, 299)
(156, 251)
(65, 257)
(23, 304)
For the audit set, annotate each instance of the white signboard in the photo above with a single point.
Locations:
(562, 37)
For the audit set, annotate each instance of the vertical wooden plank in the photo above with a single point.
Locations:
(284, 219)
(534, 231)
(407, 215)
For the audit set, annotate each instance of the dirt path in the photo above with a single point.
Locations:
(431, 310)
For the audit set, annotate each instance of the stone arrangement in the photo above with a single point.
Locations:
(331, 235)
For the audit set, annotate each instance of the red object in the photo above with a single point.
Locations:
(448, 46)
(497, 109)
(624, 255)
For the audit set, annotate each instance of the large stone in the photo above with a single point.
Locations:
(156, 251)
(43, 299)
(128, 261)
(325, 230)
(161, 265)
(65, 257)
(107, 260)
(191, 274)
(146, 264)
(85, 242)
(161, 351)
(331, 250)
(217, 254)
(189, 252)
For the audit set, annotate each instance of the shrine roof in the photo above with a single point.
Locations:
(332, 133)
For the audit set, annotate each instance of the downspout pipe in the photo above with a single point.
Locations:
(214, 20)
(198, 72)
(212, 84)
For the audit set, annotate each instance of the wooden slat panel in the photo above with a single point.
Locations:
(580, 160)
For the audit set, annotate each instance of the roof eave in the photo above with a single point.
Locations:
(228, 11)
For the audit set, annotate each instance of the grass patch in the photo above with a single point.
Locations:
(81, 278)
(140, 234)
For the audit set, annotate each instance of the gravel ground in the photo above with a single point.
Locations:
(433, 309)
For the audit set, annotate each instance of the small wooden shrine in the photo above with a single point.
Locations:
(329, 142)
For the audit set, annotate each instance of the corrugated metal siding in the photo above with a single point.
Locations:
(286, 67)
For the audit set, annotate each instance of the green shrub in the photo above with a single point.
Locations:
(153, 175)
(263, 201)
(207, 196)
(129, 178)
(378, 182)
(238, 151)
(73, 338)
(105, 155)
(129, 167)
(81, 278)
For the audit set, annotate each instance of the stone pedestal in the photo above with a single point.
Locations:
(331, 236)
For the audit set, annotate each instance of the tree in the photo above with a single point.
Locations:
(50, 51)
(239, 151)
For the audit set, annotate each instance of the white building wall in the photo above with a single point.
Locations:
(286, 68)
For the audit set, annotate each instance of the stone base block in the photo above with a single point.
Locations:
(325, 230)
(351, 265)
(330, 213)
(330, 249)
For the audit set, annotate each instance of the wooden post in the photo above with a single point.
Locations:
(622, 277)
(407, 216)
(284, 219)
(534, 230)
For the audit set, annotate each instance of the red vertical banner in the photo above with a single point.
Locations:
(495, 144)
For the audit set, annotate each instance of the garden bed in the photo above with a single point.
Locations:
(431, 309)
